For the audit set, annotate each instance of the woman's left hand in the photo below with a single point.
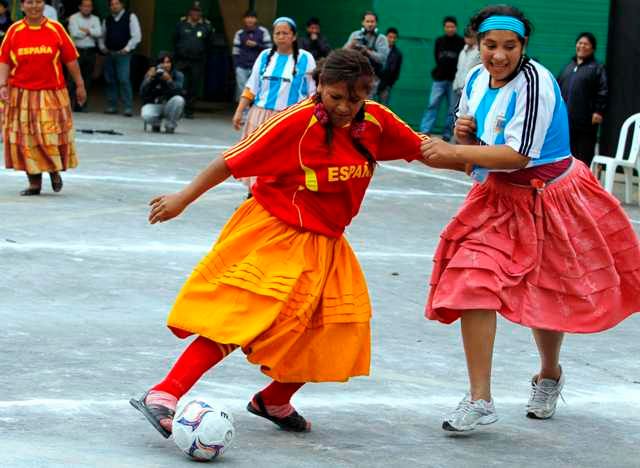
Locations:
(4, 93)
(596, 118)
(439, 153)
(81, 95)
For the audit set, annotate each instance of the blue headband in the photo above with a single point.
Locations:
(503, 23)
(286, 19)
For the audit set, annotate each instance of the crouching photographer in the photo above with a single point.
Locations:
(162, 95)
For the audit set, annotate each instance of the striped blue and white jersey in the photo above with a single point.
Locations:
(527, 114)
(275, 86)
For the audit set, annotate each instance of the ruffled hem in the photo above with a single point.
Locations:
(564, 259)
(38, 131)
(288, 298)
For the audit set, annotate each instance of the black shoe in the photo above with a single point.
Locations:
(169, 130)
(128, 113)
(111, 110)
(155, 128)
(31, 191)
(56, 181)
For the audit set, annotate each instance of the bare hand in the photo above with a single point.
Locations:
(84, 30)
(166, 76)
(465, 130)
(439, 153)
(122, 52)
(166, 207)
(596, 118)
(250, 43)
(4, 93)
(81, 95)
(237, 120)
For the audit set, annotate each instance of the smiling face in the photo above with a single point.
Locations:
(500, 52)
(341, 105)
(584, 48)
(33, 9)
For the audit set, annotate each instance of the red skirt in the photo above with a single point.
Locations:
(562, 258)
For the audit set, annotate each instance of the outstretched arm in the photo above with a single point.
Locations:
(166, 207)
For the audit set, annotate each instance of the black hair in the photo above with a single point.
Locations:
(468, 32)
(163, 55)
(392, 30)
(450, 19)
(501, 10)
(590, 37)
(313, 20)
(5, 4)
(369, 12)
(250, 13)
(274, 48)
(350, 66)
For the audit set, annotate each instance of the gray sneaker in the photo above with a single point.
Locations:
(469, 414)
(544, 397)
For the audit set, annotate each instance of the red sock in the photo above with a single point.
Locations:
(200, 356)
(278, 393)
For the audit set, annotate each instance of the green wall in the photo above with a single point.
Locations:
(556, 25)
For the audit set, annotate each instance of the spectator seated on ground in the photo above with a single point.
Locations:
(162, 95)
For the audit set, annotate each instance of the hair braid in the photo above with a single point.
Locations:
(296, 51)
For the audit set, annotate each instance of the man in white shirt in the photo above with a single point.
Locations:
(85, 30)
(50, 12)
(120, 36)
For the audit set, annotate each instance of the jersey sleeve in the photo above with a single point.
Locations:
(308, 75)
(68, 52)
(5, 49)
(253, 83)
(265, 151)
(397, 139)
(535, 103)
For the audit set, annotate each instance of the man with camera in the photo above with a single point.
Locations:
(162, 95)
(371, 43)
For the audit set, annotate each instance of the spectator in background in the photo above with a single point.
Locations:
(120, 36)
(248, 42)
(5, 18)
(192, 44)
(315, 42)
(391, 71)
(85, 30)
(584, 88)
(161, 92)
(469, 57)
(50, 12)
(371, 43)
(447, 49)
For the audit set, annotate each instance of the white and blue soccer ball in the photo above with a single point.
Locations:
(203, 430)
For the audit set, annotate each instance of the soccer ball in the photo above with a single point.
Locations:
(203, 430)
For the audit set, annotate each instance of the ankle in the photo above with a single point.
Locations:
(277, 411)
(161, 398)
(551, 373)
(480, 394)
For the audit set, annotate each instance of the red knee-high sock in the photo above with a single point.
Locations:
(278, 393)
(200, 356)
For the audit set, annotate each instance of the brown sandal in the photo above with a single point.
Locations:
(293, 423)
(154, 413)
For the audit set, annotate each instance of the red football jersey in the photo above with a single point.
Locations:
(35, 54)
(307, 184)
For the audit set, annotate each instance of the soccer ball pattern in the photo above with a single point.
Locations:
(203, 430)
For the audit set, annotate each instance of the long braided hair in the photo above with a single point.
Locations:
(274, 48)
(353, 68)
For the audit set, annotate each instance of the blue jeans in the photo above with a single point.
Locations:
(439, 90)
(117, 71)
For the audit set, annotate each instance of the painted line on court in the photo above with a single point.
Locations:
(151, 143)
(407, 170)
(423, 403)
(239, 185)
(156, 247)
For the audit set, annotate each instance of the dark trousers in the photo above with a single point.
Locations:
(193, 71)
(583, 142)
(87, 63)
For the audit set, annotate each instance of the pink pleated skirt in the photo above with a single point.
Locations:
(564, 257)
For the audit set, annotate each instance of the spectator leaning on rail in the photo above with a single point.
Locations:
(161, 93)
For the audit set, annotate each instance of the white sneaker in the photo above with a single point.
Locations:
(469, 414)
(544, 397)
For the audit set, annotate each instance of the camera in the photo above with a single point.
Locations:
(160, 71)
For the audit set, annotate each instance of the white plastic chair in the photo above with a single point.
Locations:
(627, 160)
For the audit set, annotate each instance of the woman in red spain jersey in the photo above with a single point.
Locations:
(38, 126)
(282, 282)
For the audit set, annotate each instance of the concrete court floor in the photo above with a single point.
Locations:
(86, 283)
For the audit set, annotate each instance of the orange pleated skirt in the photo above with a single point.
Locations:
(38, 131)
(296, 302)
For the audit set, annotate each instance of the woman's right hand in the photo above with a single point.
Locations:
(4, 93)
(237, 120)
(465, 130)
(166, 207)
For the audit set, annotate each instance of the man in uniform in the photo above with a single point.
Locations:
(192, 43)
